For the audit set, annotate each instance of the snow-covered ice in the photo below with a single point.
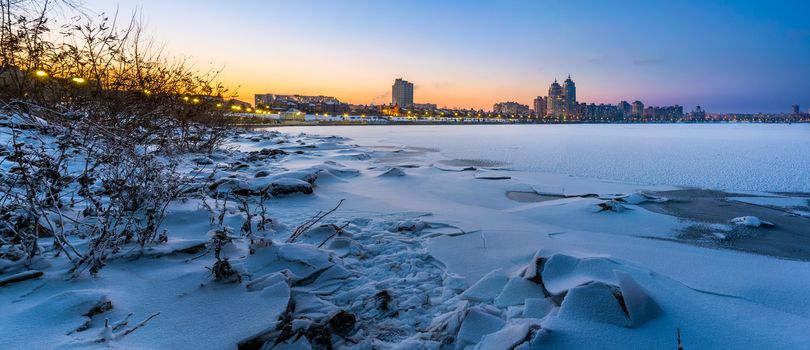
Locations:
(422, 253)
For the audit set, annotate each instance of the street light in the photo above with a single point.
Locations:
(78, 80)
(41, 73)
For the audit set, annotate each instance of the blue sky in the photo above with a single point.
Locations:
(728, 56)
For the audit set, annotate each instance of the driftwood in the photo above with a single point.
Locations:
(311, 222)
(338, 230)
(22, 276)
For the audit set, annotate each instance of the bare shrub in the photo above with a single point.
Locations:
(97, 117)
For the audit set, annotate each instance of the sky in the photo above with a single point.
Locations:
(727, 56)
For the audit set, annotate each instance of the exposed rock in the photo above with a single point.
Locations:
(287, 186)
(272, 152)
(202, 161)
(611, 205)
(342, 322)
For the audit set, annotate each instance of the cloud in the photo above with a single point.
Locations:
(382, 98)
(647, 62)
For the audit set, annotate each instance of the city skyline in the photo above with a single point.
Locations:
(475, 54)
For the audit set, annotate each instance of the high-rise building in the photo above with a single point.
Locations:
(540, 106)
(795, 109)
(555, 104)
(569, 91)
(402, 93)
(625, 110)
(638, 109)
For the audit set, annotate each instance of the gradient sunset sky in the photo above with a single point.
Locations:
(728, 56)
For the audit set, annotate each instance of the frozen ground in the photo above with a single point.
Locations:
(426, 251)
(753, 157)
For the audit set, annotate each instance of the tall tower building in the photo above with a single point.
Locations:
(795, 109)
(402, 93)
(569, 91)
(555, 104)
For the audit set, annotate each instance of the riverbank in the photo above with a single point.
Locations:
(291, 123)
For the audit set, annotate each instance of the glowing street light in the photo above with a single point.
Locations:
(195, 100)
(78, 80)
(185, 98)
(41, 73)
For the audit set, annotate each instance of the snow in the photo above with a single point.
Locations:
(780, 201)
(516, 291)
(537, 308)
(434, 259)
(477, 324)
(751, 221)
(756, 157)
(641, 308)
(487, 288)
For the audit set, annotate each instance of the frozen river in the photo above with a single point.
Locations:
(751, 157)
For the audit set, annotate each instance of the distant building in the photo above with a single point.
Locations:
(795, 109)
(292, 114)
(625, 109)
(597, 112)
(555, 103)
(664, 113)
(241, 104)
(512, 108)
(569, 91)
(304, 103)
(638, 109)
(268, 100)
(426, 106)
(402, 93)
(698, 113)
(540, 106)
(649, 112)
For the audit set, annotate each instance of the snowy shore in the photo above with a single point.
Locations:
(426, 252)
